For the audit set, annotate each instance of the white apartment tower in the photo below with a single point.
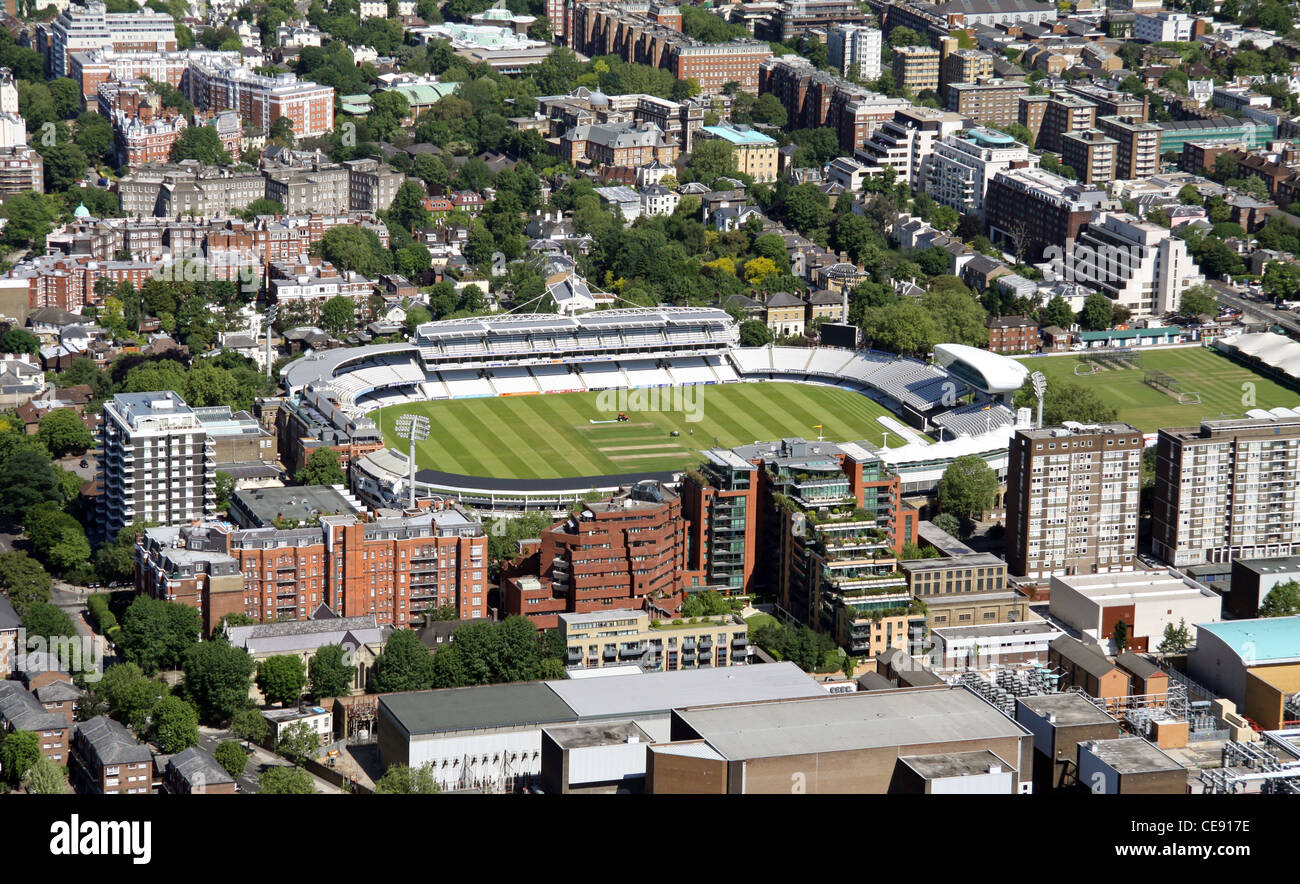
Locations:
(8, 92)
(1227, 490)
(1134, 263)
(854, 49)
(906, 142)
(157, 463)
(961, 167)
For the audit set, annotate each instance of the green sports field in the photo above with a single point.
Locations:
(1216, 378)
(551, 436)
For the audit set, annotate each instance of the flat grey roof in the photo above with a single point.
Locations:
(843, 722)
(992, 630)
(1132, 755)
(1070, 709)
(473, 708)
(585, 736)
(947, 563)
(300, 502)
(659, 692)
(567, 701)
(955, 764)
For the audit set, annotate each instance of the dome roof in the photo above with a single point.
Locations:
(81, 212)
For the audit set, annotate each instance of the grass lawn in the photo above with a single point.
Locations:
(1218, 379)
(759, 620)
(551, 436)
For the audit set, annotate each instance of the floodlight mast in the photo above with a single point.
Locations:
(270, 318)
(1039, 381)
(414, 428)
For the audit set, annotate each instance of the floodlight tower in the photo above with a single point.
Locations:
(1039, 381)
(414, 428)
(270, 320)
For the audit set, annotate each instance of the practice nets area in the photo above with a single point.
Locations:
(1174, 387)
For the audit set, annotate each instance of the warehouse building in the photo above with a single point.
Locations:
(490, 737)
(1253, 663)
(936, 739)
(1059, 723)
(1129, 766)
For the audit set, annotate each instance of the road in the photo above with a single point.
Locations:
(1261, 311)
(258, 762)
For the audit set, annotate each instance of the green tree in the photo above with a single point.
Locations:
(416, 316)
(225, 487)
(63, 432)
(46, 777)
(19, 340)
(338, 316)
(232, 758)
(403, 665)
(298, 742)
(29, 219)
(1283, 600)
(115, 560)
(1098, 312)
(26, 480)
(901, 36)
(948, 523)
(261, 206)
(1281, 280)
(1198, 300)
(713, 159)
(399, 779)
(958, 317)
(1176, 638)
(968, 487)
(1067, 402)
(281, 678)
(806, 208)
(901, 327)
(217, 678)
(250, 726)
(1057, 312)
(23, 580)
(755, 333)
(349, 247)
(200, 143)
(408, 206)
(282, 780)
(322, 468)
(693, 607)
(174, 725)
(45, 620)
(156, 634)
(130, 695)
(1120, 636)
(331, 672)
(19, 752)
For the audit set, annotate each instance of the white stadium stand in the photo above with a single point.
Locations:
(513, 381)
(546, 353)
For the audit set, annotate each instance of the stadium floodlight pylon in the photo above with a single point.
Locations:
(1039, 381)
(414, 428)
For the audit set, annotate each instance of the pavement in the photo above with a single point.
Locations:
(259, 761)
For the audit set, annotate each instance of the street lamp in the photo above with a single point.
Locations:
(414, 428)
